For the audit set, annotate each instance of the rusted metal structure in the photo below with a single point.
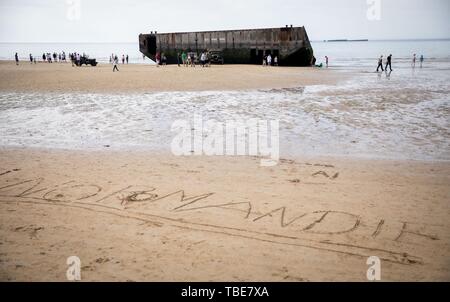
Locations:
(290, 44)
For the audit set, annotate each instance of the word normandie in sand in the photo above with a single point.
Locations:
(326, 230)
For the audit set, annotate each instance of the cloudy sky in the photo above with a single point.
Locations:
(123, 20)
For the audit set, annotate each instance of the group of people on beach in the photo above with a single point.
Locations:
(114, 60)
(125, 59)
(46, 57)
(388, 62)
(187, 59)
(52, 57)
(161, 59)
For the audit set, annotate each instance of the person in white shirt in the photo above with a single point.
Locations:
(203, 59)
(269, 60)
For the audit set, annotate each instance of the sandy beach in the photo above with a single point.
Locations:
(62, 77)
(153, 217)
(144, 215)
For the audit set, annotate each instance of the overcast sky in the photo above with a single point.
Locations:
(123, 20)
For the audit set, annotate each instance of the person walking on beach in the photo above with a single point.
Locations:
(275, 61)
(127, 58)
(380, 64)
(31, 58)
(421, 61)
(269, 60)
(326, 60)
(179, 59)
(264, 61)
(16, 56)
(389, 62)
(116, 62)
(123, 59)
(414, 61)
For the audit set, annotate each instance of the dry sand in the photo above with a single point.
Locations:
(63, 77)
(149, 217)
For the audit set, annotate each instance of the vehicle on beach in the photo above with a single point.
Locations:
(86, 61)
(216, 57)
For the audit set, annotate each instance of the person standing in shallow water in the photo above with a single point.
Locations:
(421, 61)
(380, 64)
(414, 61)
(16, 56)
(326, 60)
(389, 63)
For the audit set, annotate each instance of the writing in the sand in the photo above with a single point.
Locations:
(282, 225)
(149, 199)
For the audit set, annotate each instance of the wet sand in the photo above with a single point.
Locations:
(153, 217)
(62, 77)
